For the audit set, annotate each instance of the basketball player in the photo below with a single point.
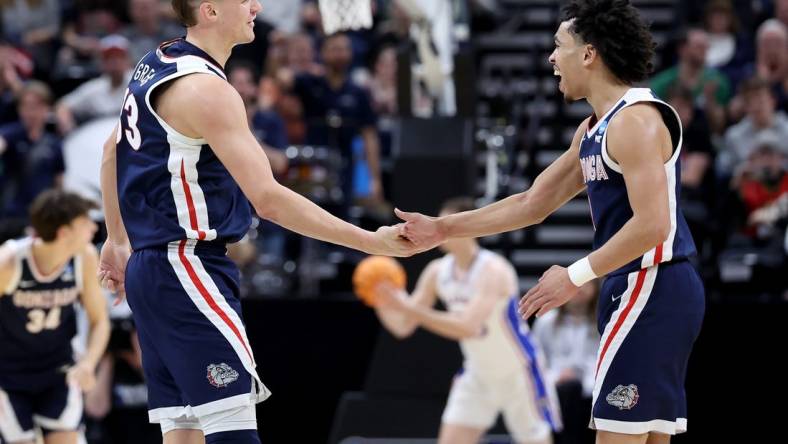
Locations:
(42, 278)
(502, 372)
(180, 169)
(626, 155)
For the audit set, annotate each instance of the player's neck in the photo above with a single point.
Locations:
(49, 256)
(605, 95)
(217, 48)
(465, 255)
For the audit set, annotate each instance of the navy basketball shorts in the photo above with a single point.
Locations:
(195, 354)
(648, 322)
(43, 401)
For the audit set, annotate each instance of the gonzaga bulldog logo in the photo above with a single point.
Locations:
(623, 397)
(220, 375)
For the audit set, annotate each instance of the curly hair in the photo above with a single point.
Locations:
(619, 34)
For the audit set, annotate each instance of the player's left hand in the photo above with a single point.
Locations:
(389, 297)
(83, 375)
(112, 268)
(553, 290)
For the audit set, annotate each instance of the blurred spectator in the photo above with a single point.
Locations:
(383, 91)
(266, 124)
(771, 64)
(102, 96)
(300, 55)
(85, 24)
(31, 156)
(570, 340)
(710, 88)
(728, 49)
(697, 165)
(761, 182)
(762, 118)
(296, 54)
(383, 84)
(33, 25)
(10, 84)
(284, 16)
(337, 112)
(148, 28)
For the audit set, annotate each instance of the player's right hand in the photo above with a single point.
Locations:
(112, 268)
(422, 230)
(82, 375)
(389, 242)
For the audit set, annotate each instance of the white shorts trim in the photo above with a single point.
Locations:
(70, 417)
(244, 399)
(638, 428)
(10, 429)
(168, 425)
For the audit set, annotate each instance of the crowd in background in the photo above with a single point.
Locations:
(64, 64)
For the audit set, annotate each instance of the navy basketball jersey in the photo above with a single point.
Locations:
(172, 187)
(607, 192)
(37, 314)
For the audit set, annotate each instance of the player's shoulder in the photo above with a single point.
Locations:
(639, 114)
(8, 254)
(497, 262)
(203, 95)
(639, 121)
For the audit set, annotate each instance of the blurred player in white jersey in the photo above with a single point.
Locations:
(502, 369)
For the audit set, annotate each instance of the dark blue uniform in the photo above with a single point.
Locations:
(180, 207)
(651, 309)
(37, 324)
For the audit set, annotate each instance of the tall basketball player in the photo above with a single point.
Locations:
(626, 155)
(177, 176)
(502, 370)
(42, 278)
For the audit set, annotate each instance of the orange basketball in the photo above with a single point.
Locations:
(372, 271)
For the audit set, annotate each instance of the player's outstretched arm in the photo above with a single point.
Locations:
(84, 371)
(468, 323)
(221, 119)
(643, 167)
(115, 252)
(556, 185)
(424, 295)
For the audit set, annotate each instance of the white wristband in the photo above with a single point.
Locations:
(580, 272)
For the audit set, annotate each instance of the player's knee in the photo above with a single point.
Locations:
(233, 437)
(233, 426)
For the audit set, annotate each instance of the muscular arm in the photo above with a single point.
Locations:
(95, 308)
(116, 232)
(493, 287)
(556, 185)
(424, 295)
(642, 165)
(233, 143)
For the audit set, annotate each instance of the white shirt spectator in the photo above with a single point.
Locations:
(570, 344)
(96, 98)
